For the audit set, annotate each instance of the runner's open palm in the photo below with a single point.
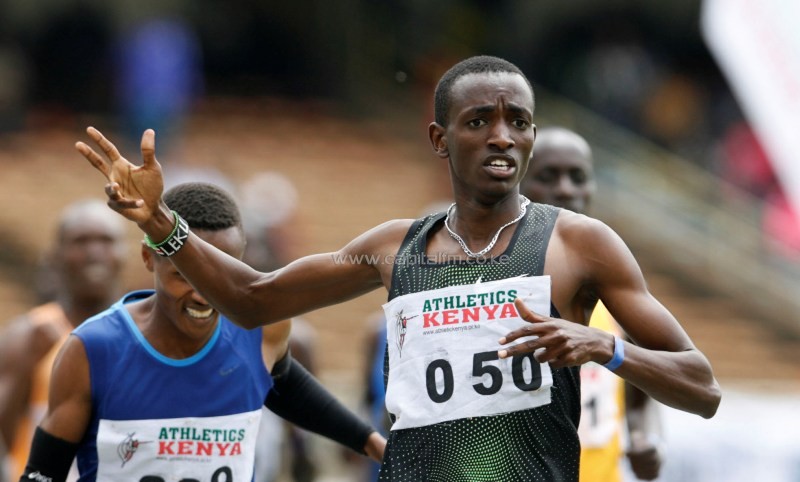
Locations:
(133, 191)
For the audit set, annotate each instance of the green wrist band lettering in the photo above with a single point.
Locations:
(173, 242)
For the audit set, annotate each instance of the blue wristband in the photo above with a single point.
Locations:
(619, 354)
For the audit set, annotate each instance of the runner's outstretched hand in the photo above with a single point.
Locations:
(133, 191)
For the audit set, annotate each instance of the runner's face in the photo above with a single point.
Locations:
(90, 255)
(490, 133)
(560, 176)
(178, 301)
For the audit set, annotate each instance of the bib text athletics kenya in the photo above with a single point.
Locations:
(451, 310)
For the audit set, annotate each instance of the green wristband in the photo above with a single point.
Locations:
(173, 242)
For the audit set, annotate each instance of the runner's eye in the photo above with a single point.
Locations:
(521, 124)
(578, 177)
(547, 176)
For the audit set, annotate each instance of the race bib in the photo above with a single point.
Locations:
(212, 449)
(601, 392)
(600, 417)
(443, 352)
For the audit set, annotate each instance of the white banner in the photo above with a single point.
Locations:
(757, 45)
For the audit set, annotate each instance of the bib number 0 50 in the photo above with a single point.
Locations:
(222, 474)
(479, 369)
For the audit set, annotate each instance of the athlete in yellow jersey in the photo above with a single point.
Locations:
(602, 399)
(86, 265)
(561, 174)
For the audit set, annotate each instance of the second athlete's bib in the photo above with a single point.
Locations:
(211, 449)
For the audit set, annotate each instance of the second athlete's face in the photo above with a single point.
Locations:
(178, 301)
(490, 133)
(90, 256)
(561, 176)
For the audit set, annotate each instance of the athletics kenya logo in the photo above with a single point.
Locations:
(128, 447)
(401, 323)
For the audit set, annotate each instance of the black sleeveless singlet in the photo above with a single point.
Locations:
(539, 444)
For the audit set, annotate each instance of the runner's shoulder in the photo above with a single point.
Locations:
(385, 237)
(580, 228)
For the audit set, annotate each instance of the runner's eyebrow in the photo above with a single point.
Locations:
(518, 109)
(489, 108)
(484, 109)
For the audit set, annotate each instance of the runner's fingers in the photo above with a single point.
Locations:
(148, 147)
(526, 314)
(112, 191)
(110, 149)
(118, 200)
(529, 330)
(529, 346)
(122, 204)
(556, 356)
(94, 158)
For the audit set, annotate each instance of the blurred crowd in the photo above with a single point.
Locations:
(667, 89)
(641, 66)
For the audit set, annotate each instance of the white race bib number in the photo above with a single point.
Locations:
(443, 352)
(212, 449)
(600, 419)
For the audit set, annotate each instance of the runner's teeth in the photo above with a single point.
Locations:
(200, 313)
(498, 163)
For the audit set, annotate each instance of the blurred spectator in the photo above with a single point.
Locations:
(268, 201)
(86, 265)
(158, 77)
(374, 395)
(675, 115)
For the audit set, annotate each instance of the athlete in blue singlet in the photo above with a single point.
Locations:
(161, 387)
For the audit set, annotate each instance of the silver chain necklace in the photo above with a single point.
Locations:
(469, 252)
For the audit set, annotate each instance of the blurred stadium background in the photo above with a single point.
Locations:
(315, 114)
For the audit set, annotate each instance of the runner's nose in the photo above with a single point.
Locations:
(500, 137)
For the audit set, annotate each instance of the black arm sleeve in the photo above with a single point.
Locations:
(50, 458)
(299, 398)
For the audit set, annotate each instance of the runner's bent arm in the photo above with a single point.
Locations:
(664, 362)
(68, 414)
(301, 399)
(69, 402)
(275, 342)
(17, 360)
